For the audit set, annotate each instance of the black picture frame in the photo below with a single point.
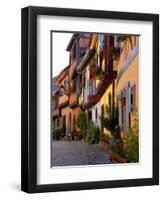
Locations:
(29, 98)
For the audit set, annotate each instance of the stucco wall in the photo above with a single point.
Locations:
(131, 75)
(70, 113)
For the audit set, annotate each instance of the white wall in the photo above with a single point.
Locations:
(10, 41)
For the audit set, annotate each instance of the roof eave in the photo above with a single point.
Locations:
(71, 41)
(85, 60)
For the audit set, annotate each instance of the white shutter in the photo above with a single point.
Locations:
(128, 106)
(120, 112)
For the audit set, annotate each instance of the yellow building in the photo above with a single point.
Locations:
(128, 81)
(109, 100)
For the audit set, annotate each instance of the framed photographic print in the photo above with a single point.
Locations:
(90, 99)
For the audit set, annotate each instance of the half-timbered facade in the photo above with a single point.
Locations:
(103, 72)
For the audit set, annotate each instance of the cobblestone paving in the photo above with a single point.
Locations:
(68, 153)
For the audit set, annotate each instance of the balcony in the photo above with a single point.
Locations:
(63, 101)
(95, 70)
(73, 102)
(104, 83)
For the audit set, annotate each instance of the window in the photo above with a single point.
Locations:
(96, 116)
(111, 41)
(133, 98)
(109, 100)
(94, 86)
(56, 103)
(82, 52)
(102, 117)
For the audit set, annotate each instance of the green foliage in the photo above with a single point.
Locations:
(110, 119)
(131, 141)
(93, 134)
(116, 145)
(128, 148)
(117, 149)
(82, 122)
(105, 138)
(116, 133)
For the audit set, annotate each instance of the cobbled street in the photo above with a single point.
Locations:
(68, 153)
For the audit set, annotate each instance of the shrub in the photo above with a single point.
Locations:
(110, 118)
(93, 134)
(131, 140)
(57, 133)
(131, 150)
(117, 132)
(117, 149)
(116, 145)
(105, 138)
(82, 122)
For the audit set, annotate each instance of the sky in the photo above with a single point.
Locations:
(60, 57)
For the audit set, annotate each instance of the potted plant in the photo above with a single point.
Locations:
(117, 150)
